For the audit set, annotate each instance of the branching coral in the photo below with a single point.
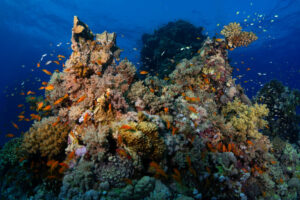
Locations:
(236, 37)
(247, 120)
(45, 139)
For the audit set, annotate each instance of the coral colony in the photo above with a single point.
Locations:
(101, 132)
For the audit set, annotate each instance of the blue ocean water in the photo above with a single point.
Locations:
(32, 28)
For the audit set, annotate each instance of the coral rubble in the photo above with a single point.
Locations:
(109, 135)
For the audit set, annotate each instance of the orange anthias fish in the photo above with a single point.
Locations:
(191, 108)
(44, 83)
(127, 127)
(176, 176)
(21, 116)
(38, 64)
(229, 147)
(143, 72)
(41, 88)
(53, 165)
(122, 153)
(219, 40)
(206, 80)
(34, 116)
(248, 69)
(81, 99)
(174, 130)
(273, 162)
(85, 118)
(47, 72)
(39, 105)
(249, 142)
(61, 99)
(71, 155)
(166, 110)
(158, 169)
(15, 125)
(64, 165)
(61, 56)
(168, 124)
(20, 105)
(47, 108)
(56, 122)
(56, 62)
(152, 90)
(49, 87)
(9, 135)
(30, 92)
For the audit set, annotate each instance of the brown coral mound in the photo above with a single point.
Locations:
(45, 139)
(143, 139)
(236, 37)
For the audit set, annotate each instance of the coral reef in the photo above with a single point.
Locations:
(235, 37)
(194, 134)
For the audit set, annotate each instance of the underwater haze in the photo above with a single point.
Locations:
(150, 99)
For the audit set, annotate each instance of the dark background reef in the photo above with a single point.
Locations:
(174, 41)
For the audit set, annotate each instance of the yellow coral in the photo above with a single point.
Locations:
(143, 139)
(45, 139)
(231, 30)
(236, 37)
(247, 120)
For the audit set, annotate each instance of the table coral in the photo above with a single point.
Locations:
(236, 37)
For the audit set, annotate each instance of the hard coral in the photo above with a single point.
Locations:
(247, 120)
(142, 141)
(236, 37)
(46, 140)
